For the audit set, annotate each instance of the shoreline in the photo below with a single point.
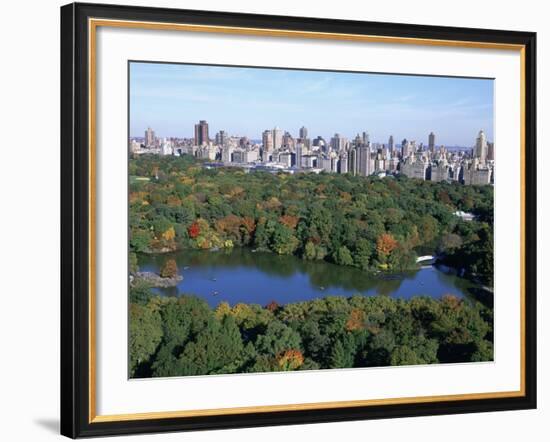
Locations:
(155, 280)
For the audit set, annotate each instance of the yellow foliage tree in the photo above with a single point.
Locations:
(169, 234)
(222, 310)
(290, 360)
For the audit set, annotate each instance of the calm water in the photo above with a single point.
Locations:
(244, 276)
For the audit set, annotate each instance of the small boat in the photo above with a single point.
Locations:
(186, 268)
(321, 288)
(215, 293)
(213, 279)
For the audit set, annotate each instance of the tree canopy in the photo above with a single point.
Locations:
(376, 224)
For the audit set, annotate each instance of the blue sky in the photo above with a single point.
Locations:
(171, 98)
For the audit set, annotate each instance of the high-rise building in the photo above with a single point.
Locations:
(166, 147)
(476, 175)
(299, 154)
(277, 138)
(244, 141)
(415, 168)
(431, 142)
(343, 163)
(338, 143)
(201, 133)
(480, 150)
(286, 159)
(227, 152)
(391, 145)
(439, 171)
(267, 140)
(309, 161)
(288, 141)
(267, 144)
(364, 160)
(325, 163)
(366, 138)
(352, 161)
(303, 133)
(491, 151)
(149, 137)
(221, 138)
(319, 141)
(406, 149)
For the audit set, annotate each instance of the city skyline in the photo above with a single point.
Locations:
(246, 101)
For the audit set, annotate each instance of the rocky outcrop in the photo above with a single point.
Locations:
(155, 280)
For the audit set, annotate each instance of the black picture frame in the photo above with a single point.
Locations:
(75, 220)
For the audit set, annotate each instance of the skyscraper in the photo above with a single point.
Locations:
(149, 137)
(391, 145)
(288, 141)
(480, 150)
(221, 138)
(267, 145)
(299, 152)
(431, 142)
(405, 148)
(366, 138)
(201, 133)
(352, 161)
(490, 151)
(363, 160)
(338, 142)
(303, 133)
(277, 138)
(343, 163)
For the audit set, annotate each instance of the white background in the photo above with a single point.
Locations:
(115, 395)
(30, 221)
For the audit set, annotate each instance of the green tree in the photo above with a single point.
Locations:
(283, 240)
(145, 334)
(403, 355)
(278, 337)
(343, 257)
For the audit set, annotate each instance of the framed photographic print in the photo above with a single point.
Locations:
(278, 220)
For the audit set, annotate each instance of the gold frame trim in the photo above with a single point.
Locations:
(93, 24)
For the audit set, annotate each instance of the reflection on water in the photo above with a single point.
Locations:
(242, 275)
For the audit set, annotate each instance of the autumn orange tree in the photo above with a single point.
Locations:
(356, 320)
(385, 244)
(290, 360)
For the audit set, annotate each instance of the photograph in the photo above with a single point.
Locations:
(284, 219)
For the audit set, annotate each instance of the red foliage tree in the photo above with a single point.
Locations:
(194, 230)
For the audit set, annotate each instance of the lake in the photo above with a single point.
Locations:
(241, 275)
